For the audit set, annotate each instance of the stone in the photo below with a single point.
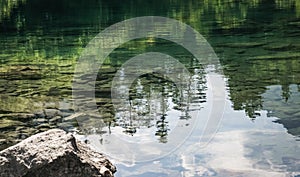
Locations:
(66, 125)
(50, 113)
(43, 126)
(63, 113)
(55, 119)
(40, 114)
(72, 117)
(51, 105)
(55, 153)
(40, 120)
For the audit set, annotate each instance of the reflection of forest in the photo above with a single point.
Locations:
(247, 86)
(7, 7)
(153, 97)
(278, 106)
(256, 52)
(269, 63)
(225, 14)
(154, 101)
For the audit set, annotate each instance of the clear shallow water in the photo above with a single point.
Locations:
(258, 46)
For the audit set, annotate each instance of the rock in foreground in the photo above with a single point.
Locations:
(53, 154)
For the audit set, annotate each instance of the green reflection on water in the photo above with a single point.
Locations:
(40, 43)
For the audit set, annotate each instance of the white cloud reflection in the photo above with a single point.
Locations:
(240, 148)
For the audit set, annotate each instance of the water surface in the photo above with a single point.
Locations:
(257, 42)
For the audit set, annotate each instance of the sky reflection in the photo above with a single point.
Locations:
(241, 147)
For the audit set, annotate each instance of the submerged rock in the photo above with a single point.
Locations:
(50, 113)
(55, 154)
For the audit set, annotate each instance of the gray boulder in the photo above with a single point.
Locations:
(53, 153)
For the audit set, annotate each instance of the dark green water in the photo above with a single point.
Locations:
(257, 42)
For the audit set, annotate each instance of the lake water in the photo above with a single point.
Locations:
(160, 131)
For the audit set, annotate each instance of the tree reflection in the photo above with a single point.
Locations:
(154, 98)
(7, 6)
(224, 14)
